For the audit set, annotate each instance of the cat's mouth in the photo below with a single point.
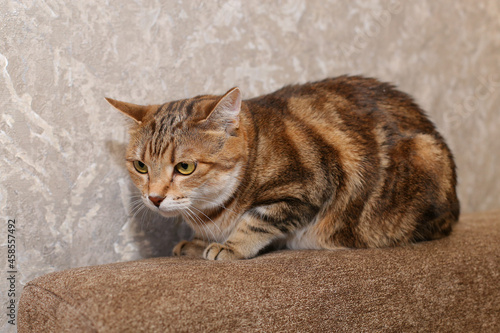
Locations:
(169, 207)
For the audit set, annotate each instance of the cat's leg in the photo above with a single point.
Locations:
(192, 248)
(250, 236)
(260, 227)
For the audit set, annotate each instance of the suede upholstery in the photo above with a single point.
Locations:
(449, 285)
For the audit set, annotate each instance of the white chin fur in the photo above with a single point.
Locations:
(171, 213)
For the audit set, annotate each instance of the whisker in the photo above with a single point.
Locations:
(203, 223)
(203, 232)
(209, 219)
(136, 202)
(149, 215)
(138, 210)
(141, 211)
(136, 207)
(185, 217)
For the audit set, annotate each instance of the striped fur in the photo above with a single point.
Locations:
(347, 162)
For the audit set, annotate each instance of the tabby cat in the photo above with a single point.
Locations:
(347, 162)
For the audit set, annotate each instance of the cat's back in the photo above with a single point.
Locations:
(353, 103)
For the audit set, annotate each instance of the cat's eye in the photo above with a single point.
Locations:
(140, 167)
(185, 168)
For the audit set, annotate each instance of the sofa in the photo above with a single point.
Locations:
(448, 285)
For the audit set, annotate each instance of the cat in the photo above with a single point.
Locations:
(347, 162)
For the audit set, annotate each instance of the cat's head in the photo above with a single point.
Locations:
(188, 154)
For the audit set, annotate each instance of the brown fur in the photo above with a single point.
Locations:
(345, 162)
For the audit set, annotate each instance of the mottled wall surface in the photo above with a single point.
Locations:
(61, 146)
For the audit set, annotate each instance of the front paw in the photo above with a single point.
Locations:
(216, 251)
(189, 248)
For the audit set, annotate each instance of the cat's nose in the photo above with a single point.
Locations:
(156, 200)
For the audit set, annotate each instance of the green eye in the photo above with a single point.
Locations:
(185, 168)
(140, 167)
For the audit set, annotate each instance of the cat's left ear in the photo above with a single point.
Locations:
(134, 111)
(226, 112)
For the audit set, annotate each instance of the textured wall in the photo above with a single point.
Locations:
(61, 146)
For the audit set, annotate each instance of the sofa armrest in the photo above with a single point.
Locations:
(451, 284)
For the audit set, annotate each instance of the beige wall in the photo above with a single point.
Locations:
(61, 146)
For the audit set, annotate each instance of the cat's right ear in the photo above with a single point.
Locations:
(225, 114)
(134, 111)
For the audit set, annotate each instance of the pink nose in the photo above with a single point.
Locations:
(156, 200)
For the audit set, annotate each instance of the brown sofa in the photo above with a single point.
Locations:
(450, 285)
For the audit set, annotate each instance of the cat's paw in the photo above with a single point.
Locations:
(216, 251)
(189, 248)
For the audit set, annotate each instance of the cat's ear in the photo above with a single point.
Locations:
(134, 111)
(226, 112)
